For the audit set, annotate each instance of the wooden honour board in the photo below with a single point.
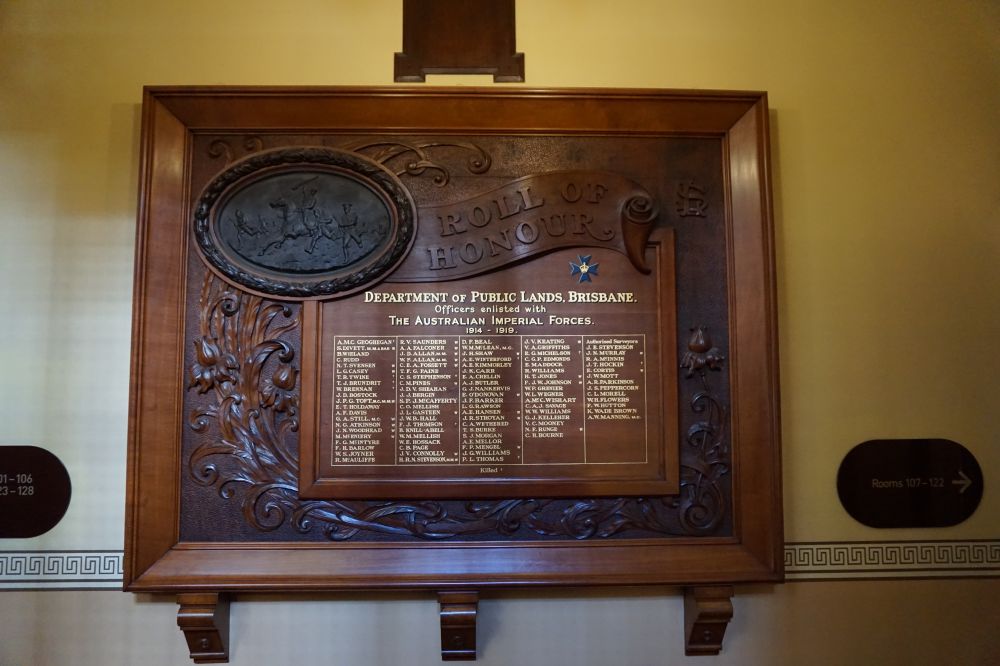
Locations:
(452, 338)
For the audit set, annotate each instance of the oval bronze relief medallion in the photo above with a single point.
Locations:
(304, 223)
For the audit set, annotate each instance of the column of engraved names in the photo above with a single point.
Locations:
(363, 403)
(490, 408)
(553, 401)
(427, 401)
(615, 395)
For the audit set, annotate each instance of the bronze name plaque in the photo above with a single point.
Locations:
(452, 339)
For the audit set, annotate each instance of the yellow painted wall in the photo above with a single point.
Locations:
(886, 137)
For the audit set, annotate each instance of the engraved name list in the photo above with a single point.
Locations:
(462, 380)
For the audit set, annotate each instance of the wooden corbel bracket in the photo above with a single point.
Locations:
(204, 619)
(459, 37)
(707, 612)
(458, 625)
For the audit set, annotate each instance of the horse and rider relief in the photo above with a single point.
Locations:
(317, 223)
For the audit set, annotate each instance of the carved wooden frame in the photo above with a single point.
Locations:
(157, 560)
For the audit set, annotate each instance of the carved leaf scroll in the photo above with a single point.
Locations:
(415, 159)
(249, 451)
(224, 149)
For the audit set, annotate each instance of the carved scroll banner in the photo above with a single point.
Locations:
(452, 339)
(526, 217)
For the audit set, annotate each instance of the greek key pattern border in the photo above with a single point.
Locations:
(892, 559)
(830, 560)
(61, 570)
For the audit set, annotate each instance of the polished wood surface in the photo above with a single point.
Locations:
(157, 559)
(707, 612)
(204, 619)
(458, 610)
(656, 476)
(459, 37)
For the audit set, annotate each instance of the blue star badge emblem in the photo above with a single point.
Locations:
(584, 268)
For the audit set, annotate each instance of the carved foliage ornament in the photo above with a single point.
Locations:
(323, 222)
(244, 361)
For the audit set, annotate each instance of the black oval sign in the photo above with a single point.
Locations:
(910, 483)
(309, 222)
(34, 491)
